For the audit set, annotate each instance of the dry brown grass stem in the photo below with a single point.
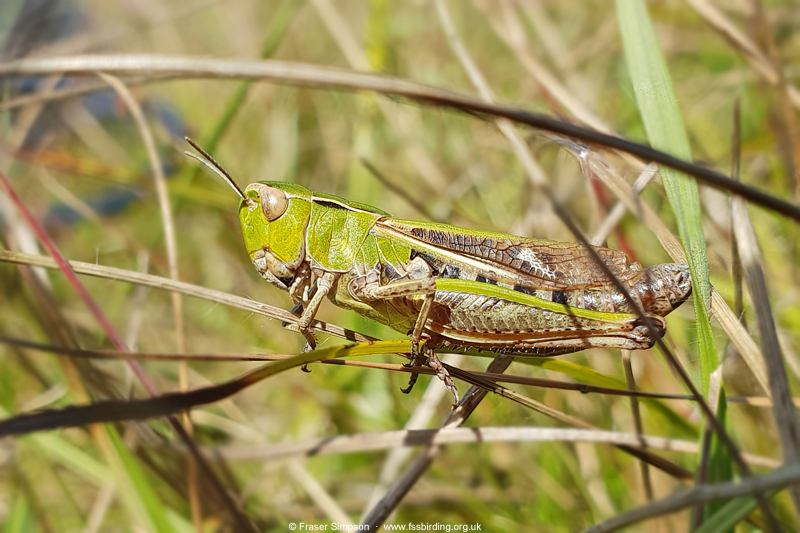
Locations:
(317, 493)
(755, 401)
(742, 44)
(775, 480)
(636, 414)
(427, 168)
(188, 289)
(373, 442)
(301, 74)
(52, 95)
(168, 224)
(618, 211)
(537, 176)
(508, 29)
(726, 318)
(394, 495)
(785, 413)
(469, 401)
(165, 208)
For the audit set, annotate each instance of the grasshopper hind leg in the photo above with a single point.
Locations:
(425, 287)
(442, 373)
(429, 356)
(433, 361)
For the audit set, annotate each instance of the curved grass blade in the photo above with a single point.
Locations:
(665, 129)
(302, 74)
(277, 29)
(662, 120)
(171, 403)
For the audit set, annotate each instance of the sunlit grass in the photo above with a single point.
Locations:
(462, 171)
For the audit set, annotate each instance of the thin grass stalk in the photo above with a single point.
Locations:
(109, 330)
(583, 388)
(776, 480)
(784, 411)
(743, 45)
(533, 170)
(740, 337)
(388, 440)
(168, 224)
(275, 32)
(664, 125)
(188, 289)
(335, 78)
(647, 482)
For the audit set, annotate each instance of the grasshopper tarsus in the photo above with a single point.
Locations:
(416, 361)
(297, 310)
(412, 379)
(311, 343)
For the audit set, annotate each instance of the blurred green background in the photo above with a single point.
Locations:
(459, 169)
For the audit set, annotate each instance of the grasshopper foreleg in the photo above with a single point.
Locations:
(416, 337)
(323, 286)
(297, 310)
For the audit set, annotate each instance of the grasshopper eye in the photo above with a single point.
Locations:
(273, 203)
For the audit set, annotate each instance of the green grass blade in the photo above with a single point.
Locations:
(134, 489)
(20, 518)
(665, 129)
(726, 518)
(178, 523)
(665, 415)
(72, 457)
(720, 464)
(276, 31)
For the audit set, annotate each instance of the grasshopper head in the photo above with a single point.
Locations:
(274, 217)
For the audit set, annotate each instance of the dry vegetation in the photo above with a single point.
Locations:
(81, 164)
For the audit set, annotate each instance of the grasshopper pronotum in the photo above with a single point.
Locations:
(451, 286)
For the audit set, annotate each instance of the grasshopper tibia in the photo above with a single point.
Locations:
(429, 357)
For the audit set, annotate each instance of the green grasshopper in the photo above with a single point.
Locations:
(450, 286)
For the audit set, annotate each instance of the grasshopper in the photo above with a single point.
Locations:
(449, 286)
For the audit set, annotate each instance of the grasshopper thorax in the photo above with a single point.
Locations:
(274, 217)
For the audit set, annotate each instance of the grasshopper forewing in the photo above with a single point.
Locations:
(451, 286)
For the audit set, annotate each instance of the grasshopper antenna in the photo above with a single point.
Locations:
(215, 167)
